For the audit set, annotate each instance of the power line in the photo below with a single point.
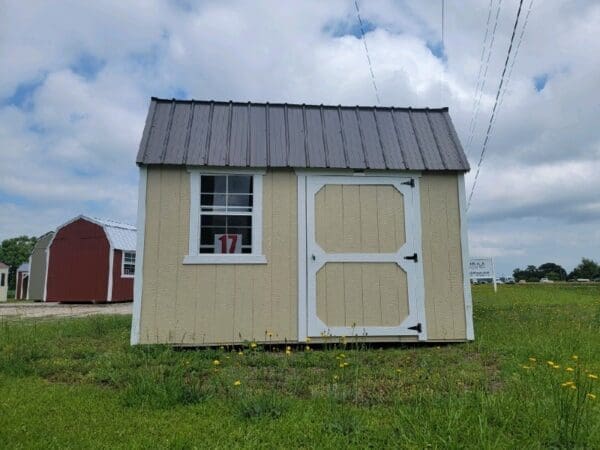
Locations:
(491, 121)
(443, 51)
(512, 65)
(364, 39)
(482, 76)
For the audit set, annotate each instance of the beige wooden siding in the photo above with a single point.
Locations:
(211, 304)
(362, 294)
(361, 219)
(442, 257)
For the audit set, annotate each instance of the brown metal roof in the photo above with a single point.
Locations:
(209, 133)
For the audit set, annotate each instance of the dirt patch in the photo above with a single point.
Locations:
(30, 310)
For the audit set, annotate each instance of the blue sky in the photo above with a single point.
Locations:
(76, 87)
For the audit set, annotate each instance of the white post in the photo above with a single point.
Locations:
(494, 276)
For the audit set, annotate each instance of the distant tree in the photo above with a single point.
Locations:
(587, 268)
(531, 273)
(14, 252)
(552, 271)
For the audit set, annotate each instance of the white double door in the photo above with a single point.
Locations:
(361, 248)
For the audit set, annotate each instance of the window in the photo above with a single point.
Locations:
(128, 264)
(2, 279)
(225, 218)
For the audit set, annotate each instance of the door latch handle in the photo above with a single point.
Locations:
(314, 257)
(414, 257)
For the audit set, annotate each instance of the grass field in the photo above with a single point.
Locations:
(76, 383)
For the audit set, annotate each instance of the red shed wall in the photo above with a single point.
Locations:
(78, 264)
(122, 286)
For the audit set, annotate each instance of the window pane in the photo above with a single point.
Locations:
(208, 201)
(213, 221)
(207, 235)
(239, 221)
(240, 183)
(213, 183)
(240, 200)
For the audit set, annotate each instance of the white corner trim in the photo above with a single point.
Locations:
(464, 244)
(139, 258)
(194, 256)
(111, 261)
(419, 286)
(302, 317)
(29, 283)
(45, 295)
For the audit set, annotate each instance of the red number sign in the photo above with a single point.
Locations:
(228, 243)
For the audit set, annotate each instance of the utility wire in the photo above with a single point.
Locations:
(364, 39)
(443, 51)
(483, 72)
(512, 65)
(491, 121)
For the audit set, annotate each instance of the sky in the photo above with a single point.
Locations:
(77, 78)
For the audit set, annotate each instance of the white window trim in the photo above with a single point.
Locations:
(123, 274)
(255, 257)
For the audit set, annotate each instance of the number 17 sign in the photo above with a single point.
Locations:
(228, 243)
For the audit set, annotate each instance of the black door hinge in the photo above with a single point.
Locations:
(410, 183)
(414, 257)
(417, 327)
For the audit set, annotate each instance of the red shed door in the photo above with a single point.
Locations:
(78, 264)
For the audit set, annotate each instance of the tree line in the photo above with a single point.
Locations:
(13, 253)
(587, 268)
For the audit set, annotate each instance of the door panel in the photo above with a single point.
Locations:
(359, 218)
(351, 294)
(361, 277)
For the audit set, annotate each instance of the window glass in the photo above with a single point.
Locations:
(2, 281)
(226, 203)
(128, 263)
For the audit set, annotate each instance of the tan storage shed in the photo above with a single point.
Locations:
(38, 263)
(279, 222)
(3, 282)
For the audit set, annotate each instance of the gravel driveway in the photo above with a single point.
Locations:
(26, 310)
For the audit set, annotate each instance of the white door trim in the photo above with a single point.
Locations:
(309, 325)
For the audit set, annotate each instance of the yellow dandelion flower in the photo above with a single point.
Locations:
(556, 366)
(335, 377)
(216, 362)
(253, 345)
(307, 348)
(527, 367)
(342, 355)
(345, 364)
(574, 357)
(288, 352)
(237, 383)
(570, 369)
(573, 386)
(532, 359)
(221, 348)
(550, 363)
(592, 376)
(398, 370)
(591, 396)
(241, 353)
(289, 348)
(565, 384)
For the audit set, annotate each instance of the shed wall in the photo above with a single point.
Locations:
(122, 286)
(4, 287)
(37, 269)
(213, 304)
(198, 304)
(78, 264)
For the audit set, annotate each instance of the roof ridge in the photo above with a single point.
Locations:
(299, 105)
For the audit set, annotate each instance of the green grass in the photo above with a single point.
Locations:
(76, 383)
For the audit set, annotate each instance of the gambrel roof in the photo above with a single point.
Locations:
(220, 134)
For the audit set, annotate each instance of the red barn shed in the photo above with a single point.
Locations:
(91, 260)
